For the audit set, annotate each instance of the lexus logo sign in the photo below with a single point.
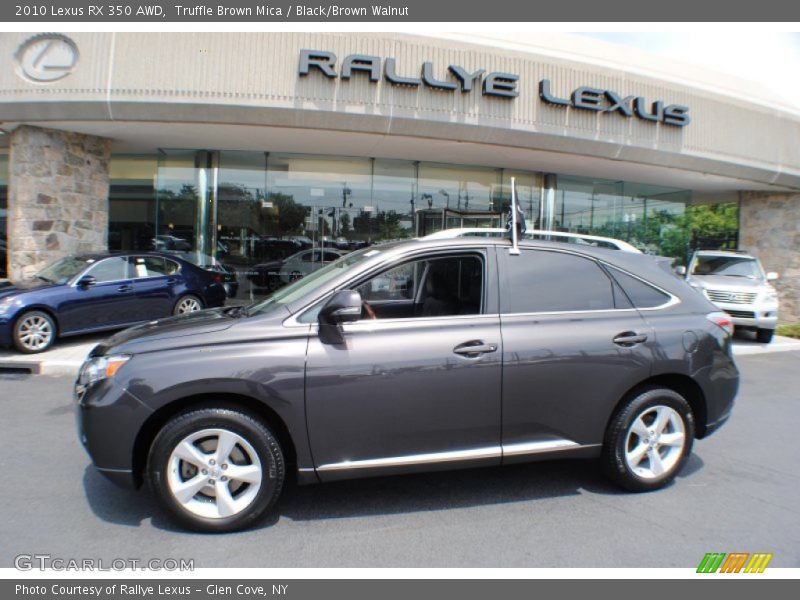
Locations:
(46, 58)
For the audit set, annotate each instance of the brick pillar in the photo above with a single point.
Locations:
(769, 225)
(58, 197)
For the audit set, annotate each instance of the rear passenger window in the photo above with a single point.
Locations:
(642, 295)
(147, 266)
(541, 281)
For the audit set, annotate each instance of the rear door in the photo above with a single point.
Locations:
(572, 346)
(155, 279)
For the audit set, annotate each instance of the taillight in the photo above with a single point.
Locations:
(217, 278)
(722, 320)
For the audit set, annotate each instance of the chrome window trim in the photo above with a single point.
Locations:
(568, 312)
(294, 323)
(164, 258)
(86, 271)
(604, 266)
(500, 451)
(673, 299)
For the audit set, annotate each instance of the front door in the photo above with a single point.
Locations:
(107, 303)
(418, 386)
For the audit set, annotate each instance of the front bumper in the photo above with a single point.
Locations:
(109, 420)
(755, 316)
(5, 332)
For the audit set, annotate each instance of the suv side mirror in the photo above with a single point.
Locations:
(343, 307)
(681, 270)
(772, 276)
(86, 281)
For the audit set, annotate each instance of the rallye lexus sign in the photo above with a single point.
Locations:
(497, 84)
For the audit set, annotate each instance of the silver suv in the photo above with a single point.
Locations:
(737, 283)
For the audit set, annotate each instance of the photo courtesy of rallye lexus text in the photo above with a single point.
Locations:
(412, 356)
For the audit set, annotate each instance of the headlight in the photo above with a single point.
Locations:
(770, 295)
(100, 367)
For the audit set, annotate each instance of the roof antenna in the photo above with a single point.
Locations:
(515, 221)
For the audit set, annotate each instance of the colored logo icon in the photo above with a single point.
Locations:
(735, 562)
(46, 58)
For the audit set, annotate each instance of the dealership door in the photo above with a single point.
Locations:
(405, 390)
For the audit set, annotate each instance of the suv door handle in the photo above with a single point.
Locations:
(627, 339)
(474, 348)
(125, 288)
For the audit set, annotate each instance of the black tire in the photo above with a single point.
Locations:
(764, 336)
(30, 319)
(177, 309)
(162, 470)
(620, 433)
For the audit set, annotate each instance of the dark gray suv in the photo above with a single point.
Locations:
(412, 356)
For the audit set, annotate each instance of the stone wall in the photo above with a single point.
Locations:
(770, 229)
(58, 197)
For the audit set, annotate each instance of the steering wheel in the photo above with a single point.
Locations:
(368, 310)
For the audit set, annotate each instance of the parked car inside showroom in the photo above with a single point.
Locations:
(412, 356)
(737, 283)
(99, 292)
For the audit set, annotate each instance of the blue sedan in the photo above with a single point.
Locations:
(99, 292)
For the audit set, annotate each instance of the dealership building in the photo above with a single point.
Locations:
(220, 143)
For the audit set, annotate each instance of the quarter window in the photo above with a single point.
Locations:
(542, 281)
(148, 266)
(641, 294)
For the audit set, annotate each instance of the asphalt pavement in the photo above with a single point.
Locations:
(739, 493)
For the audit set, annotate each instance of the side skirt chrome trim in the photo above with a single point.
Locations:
(536, 447)
(519, 449)
(414, 459)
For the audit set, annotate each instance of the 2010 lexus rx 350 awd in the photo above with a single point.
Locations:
(412, 356)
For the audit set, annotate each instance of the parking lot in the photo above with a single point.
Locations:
(738, 493)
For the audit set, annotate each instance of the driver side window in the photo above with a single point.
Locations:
(437, 287)
(110, 269)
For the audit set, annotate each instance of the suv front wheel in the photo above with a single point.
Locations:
(216, 469)
(649, 440)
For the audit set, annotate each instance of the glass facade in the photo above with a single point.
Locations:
(251, 210)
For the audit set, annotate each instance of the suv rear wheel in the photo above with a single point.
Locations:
(216, 469)
(649, 440)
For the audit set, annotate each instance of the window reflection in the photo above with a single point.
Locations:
(251, 211)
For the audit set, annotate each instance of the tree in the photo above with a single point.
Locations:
(344, 225)
(287, 215)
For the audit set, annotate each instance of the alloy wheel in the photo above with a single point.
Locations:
(35, 332)
(214, 473)
(655, 442)
(187, 305)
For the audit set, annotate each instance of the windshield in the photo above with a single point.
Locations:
(308, 284)
(63, 269)
(732, 266)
